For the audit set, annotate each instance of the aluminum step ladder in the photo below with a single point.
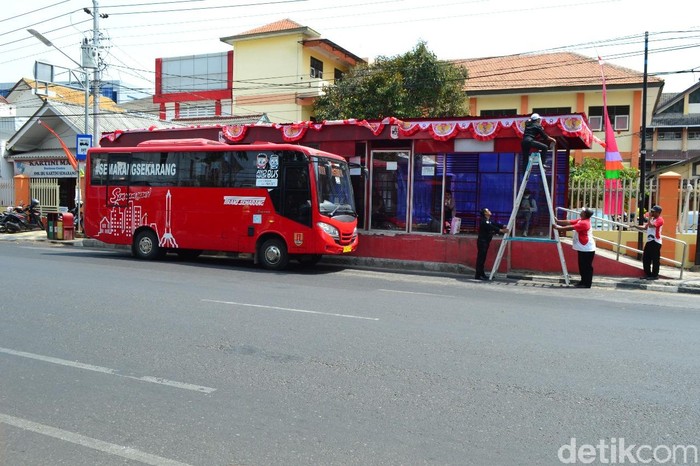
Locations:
(534, 160)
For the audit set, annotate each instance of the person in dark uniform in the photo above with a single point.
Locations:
(487, 229)
(533, 133)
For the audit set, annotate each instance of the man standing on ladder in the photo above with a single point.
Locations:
(533, 131)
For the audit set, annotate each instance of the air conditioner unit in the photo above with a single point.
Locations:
(316, 73)
(622, 122)
(596, 123)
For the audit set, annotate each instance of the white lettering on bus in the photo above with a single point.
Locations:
(137, 169)
(244, 200)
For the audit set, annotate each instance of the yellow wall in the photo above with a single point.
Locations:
(628, 142)
(272, 75)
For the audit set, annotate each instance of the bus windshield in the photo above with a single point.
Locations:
(335, 196)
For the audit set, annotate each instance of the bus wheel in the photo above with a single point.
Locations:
(273, 254)
(188, 254)
(309, 259)
(146, 246)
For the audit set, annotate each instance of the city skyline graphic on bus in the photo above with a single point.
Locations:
(123, 221)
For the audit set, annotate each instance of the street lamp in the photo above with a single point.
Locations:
(83, 68)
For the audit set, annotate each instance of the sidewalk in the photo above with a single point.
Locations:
(669, 281)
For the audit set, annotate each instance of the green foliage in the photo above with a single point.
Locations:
(415, 84)
(594, 169)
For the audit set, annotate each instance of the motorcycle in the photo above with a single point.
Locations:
(19, 218)
(74, 211)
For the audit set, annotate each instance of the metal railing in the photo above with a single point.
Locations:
(617, 246)
(592, 193)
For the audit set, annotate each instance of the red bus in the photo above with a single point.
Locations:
(271, 202)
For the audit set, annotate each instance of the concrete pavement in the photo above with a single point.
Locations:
(670, 280)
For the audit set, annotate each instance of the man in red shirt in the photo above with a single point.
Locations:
(583, 244)
(651, 258)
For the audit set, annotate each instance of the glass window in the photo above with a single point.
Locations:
(118, 166)
(98, 169)
(243, 169)
(153, 169)
(429, 213)
(316, 68)
(498, 113)
(618, 114)
(552, 110)
(389, 189)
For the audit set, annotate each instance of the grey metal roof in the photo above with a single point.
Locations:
(674, 120)
(109, 121)
(39, 154)
(69, 120)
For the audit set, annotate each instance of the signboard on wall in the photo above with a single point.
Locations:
(45, 169)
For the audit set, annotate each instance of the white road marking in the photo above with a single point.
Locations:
(412, 292)
(305, 311)
(106, 370)
(78, 439)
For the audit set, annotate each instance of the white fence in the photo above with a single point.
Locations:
(7, 192)
(46, 190)
(592, 193)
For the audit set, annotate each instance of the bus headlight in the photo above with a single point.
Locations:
(329, 229)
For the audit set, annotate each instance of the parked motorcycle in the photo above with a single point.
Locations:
(21, 218)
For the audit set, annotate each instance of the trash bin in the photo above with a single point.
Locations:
(51, 224)
(68, 226)
(59, 227)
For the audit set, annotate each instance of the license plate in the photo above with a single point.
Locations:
(347, 248)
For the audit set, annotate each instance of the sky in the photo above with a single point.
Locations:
(136, 32)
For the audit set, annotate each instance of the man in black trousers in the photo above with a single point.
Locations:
(487, 229)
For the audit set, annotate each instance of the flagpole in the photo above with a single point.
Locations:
(643, 151)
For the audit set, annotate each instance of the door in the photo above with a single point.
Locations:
(389, 186)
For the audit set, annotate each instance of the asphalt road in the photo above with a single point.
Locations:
(106, 360)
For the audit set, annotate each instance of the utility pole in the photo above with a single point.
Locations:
(643, 151)
(96, 72)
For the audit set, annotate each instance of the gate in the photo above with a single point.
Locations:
(46, 190)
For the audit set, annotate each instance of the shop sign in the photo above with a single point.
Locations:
(45, 169)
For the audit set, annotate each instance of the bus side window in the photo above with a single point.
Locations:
(297, 195)
(243, 169)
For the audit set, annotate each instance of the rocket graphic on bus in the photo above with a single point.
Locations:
(168, 240)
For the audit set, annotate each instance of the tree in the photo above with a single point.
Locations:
(415, 84)
(594, 169)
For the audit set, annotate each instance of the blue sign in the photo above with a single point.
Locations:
(82, 143)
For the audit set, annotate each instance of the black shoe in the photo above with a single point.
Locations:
(581, 285)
